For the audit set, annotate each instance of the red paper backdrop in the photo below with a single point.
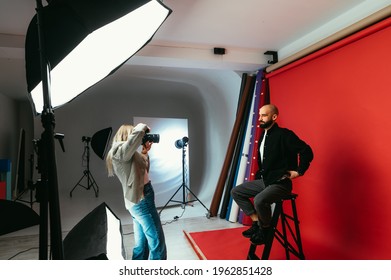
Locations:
(3, 190)
(339, 102)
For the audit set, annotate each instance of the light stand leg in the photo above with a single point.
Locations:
(170, 199)
(90, 183)
(42, 195)
(196, 199)
(78, 183)
(184, 202)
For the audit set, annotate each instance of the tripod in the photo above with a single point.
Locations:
(184, 186)
(87, 173)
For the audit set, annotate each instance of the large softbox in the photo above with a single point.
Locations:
(16, 216)
(97, 236)
(86, 41)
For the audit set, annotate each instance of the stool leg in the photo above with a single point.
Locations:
(297, 229)
(295, 247)
(251, 253)
(284, 237)
(269, 239)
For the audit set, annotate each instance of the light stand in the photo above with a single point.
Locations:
(57, 68)
(182, 143)
(47, 163)
(87, 173)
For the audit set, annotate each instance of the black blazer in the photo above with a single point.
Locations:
(283, 151)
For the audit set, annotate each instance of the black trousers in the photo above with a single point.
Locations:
(264, 197)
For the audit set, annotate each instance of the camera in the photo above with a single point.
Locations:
(154, 138)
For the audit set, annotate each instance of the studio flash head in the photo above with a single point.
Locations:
(180, 143)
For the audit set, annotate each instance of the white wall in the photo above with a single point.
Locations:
(207, 98)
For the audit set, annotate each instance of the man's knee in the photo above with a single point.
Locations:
(259, 200)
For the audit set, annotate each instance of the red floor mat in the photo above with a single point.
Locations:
(226, 244)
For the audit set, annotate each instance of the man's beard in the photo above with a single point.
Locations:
(266, 124)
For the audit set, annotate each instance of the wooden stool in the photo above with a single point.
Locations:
(288, 236)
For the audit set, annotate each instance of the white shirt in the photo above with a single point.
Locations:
(261, 148)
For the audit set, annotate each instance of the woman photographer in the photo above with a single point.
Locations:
(132, 167)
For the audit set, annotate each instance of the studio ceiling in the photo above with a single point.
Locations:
(246, 29)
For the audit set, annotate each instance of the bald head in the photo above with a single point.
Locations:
(271, 108)
(268, 115)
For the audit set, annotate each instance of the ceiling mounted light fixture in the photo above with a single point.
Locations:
(85, 41)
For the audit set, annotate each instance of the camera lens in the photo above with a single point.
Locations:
(154, 138)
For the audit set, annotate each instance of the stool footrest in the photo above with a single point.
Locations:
(289, 236)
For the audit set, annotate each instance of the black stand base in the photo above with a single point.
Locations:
(184, 202)
(90, 183)
(31, 189)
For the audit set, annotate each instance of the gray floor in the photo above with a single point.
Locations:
(24, 244)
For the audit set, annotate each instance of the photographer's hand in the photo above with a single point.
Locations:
(146, 147)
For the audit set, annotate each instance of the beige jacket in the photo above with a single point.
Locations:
(130, 166)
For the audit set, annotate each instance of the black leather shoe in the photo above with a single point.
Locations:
(257, 238)
(252, 230)
(260, 237)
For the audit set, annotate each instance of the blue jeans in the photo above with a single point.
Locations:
(148, 232)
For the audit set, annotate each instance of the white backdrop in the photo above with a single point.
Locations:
(166, 159)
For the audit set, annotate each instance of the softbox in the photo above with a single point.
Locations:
(98, 236)
(16, 216)
(100, 141)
